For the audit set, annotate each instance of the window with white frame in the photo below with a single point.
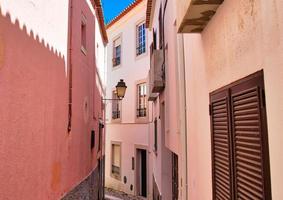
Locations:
(141, 39)
(141, 100)
(116, 160)
(116, 52)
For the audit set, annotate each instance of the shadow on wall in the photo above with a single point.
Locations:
(33, 115)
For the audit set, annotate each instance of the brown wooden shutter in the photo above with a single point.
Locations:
(221, 152)
(250, 145)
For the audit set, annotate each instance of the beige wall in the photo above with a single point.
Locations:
(242, 38)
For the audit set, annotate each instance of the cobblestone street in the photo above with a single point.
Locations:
(116, 195)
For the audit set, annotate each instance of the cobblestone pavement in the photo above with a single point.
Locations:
(116, 195)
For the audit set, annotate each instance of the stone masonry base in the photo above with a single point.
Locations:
(87, 190)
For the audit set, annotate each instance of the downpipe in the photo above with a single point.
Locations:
(70, 66)
(183, 111)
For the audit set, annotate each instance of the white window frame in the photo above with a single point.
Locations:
(137, 37)
(114, 175)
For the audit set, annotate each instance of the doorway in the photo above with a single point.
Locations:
(141, 172)
(175, 177)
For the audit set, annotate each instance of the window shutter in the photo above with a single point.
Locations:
(250, 145)
(221, 149)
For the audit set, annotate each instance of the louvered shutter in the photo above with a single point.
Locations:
(250, 146)
(221, 153)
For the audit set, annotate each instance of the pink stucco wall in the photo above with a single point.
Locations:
(38, 158)
(242, 38)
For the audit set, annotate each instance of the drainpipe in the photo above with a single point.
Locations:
(70, 67)
(183, 115)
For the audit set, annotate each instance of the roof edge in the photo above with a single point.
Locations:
(98, 8)
(148, 13)
(123, 13)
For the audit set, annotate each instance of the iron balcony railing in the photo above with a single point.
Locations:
(116, 114)
(141, 112)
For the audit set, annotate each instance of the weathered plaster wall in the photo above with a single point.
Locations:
(38, 158)
(242, 38)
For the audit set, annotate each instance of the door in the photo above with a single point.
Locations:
(175, 184)
(141, 173)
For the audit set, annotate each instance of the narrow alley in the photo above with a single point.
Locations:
(141, 99)
(111, 194)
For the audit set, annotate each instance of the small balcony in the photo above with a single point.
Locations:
(194, 15)
(156, 72)
(116, 114)
(141, 112)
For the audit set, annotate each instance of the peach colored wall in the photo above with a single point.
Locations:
(242, 38)
(169, 141)
(172, 131)
(156, 158)
(38, 158)
(131, 132)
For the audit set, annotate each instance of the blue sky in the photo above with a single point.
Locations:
(112, 8)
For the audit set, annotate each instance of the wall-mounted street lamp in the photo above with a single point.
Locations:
(120, 90)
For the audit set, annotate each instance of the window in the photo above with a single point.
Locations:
(133, 163)
(142, 100)
(92, 139)
(141, 39)
(240, 158)
(117, 52)
(97, 53)
(175, 177)
(116, 161)
(100, 131)
(83, 34)
(154, 39)
(115, 106)
(155, 135)
(160, 29)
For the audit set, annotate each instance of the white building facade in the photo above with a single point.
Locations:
(128, 120)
